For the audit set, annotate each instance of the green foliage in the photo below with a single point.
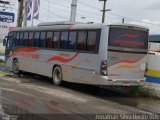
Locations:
(1, 60)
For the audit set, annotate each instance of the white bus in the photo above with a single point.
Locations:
(154, 58)
(96, 54)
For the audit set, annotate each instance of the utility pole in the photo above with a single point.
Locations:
(122, 20)
(104, 10)
(73, 10)
(25, 13)
(20, 12)
(32, 15)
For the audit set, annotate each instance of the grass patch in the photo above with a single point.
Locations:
(3, 73)
(1, 60)
(134, 91)
(140, 91)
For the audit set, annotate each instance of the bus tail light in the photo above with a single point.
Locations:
(104, 67)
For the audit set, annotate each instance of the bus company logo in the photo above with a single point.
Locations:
(127, 39)
(26, 53)
(33, 56)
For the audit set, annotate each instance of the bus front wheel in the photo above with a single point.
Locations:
(15, 66)
(57, 75)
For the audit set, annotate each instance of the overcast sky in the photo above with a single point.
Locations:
(141, 12)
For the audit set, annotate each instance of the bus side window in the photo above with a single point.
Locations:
(42, 39)
(91, 41)
(49, 39)
(56, 39)
(14, 37)
(10, 40)
(64, 40)
(72, 40)
(17, 42)
(21, 39)
(25, 38)
(30, 39)
(81, 43)
(36, 39)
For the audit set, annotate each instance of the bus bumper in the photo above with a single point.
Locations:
(104, 80)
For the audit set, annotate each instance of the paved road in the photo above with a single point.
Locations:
(35, 95)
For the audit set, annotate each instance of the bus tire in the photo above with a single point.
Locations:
(15, 66)
(57, 75)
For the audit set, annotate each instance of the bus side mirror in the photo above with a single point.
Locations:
(5, 41)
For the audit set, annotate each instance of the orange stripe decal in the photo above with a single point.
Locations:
(60, 59)
(125, 66)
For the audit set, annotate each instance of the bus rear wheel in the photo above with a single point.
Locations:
(57, 75)
(15, 66)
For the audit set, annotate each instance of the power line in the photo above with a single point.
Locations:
(77, 13)
(54, 13)
(96, 8)
(133, 19)
(119, 15)
(93, 7)
(61, 5)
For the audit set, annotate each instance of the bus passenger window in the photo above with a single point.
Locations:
(21, 39)
(42, 39)
(72, 40)
(49, 38)
(56, 39)
(10, 40)
(36, 39)
(81, 44)
(17, 39)
(14, 37)
(64, 39)
(30, 39)
(91, 41)
(25, 39)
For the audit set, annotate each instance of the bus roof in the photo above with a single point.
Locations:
(54, 26)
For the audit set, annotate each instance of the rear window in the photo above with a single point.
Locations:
(128, 38)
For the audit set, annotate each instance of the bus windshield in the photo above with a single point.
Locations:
(128, 38)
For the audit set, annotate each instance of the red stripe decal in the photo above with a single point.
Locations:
(27, 50)
(60, 59)
(126, 61)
